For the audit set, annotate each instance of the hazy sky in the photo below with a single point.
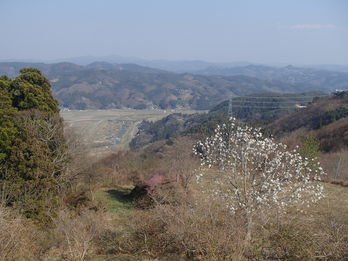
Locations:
(263, 31)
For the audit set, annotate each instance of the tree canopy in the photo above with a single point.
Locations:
(32, 146)
(31, 90)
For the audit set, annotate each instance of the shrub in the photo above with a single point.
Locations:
(17, 237)
(193, 232)
(76, 234)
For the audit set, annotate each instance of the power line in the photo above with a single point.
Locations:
(280, 97)
(264, 107)
(260, 103)
(268, 102)
(230, 108)
(277, 98)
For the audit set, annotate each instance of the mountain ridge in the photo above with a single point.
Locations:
(102, 85)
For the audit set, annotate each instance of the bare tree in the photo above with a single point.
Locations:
(76, 233)
(179, 161)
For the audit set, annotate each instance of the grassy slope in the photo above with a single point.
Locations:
(115, 199)
(331, 213)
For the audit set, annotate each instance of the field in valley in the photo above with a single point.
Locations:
(110, 130)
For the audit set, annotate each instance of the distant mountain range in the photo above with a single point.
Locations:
(329, 67)
(102, 85)
(12, 68)
(289, 74)
(178, 66)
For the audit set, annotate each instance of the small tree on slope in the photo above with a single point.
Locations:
(250, 174)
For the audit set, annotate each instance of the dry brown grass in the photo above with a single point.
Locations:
(205, 231)
(335, 164)
(193, 230)
(184, 232)
(182, 225)
(17, 237)
(75, 234)
(319, 232)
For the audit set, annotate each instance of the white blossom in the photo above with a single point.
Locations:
(251, 171)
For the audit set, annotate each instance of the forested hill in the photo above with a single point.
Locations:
(103, 85)
(323, 117)
(326, 119)
(263, 108)
(321, 79)
(258, 109)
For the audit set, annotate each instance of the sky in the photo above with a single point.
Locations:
(259, 31)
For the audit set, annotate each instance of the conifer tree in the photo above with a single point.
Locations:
(31, 90)
(32, 146)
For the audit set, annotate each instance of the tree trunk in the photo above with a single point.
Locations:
(248, 228)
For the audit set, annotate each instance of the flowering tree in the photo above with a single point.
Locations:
(250, 173)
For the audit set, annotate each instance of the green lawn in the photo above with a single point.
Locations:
(116, 199)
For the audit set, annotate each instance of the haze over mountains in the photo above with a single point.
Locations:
(179, 66)
(104, 85)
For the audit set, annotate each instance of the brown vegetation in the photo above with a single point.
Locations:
(65, 205)
(326, 119)
(181, 223)
(18, 237)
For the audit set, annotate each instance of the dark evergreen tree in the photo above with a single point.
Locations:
(31, 90)
(7, 127)
(32, 146)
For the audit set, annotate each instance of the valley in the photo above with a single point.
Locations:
(174, 130)
(105, 131)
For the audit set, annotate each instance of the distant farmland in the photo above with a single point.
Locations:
(110, 130)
